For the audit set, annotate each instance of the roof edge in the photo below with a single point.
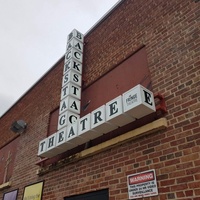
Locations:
(107, 14)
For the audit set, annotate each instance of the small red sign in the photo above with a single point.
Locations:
(144, 177)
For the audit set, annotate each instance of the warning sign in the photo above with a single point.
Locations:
(142, 184)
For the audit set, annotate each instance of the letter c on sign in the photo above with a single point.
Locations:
(77, 55)
(72, 119)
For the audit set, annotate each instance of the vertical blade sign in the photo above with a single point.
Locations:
(69, 111)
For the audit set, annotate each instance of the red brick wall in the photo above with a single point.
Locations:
(34, 108)
(170, 32)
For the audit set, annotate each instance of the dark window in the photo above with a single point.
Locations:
(97, 195)
(53, 122)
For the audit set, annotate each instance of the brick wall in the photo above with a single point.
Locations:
(170, 32)
(34, 108)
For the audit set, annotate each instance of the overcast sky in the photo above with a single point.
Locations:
(33, 37)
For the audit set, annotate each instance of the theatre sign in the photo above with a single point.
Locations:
(73, 130)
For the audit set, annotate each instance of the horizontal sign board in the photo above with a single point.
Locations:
(73, 130)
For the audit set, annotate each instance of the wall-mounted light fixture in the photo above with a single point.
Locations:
(18, 126)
